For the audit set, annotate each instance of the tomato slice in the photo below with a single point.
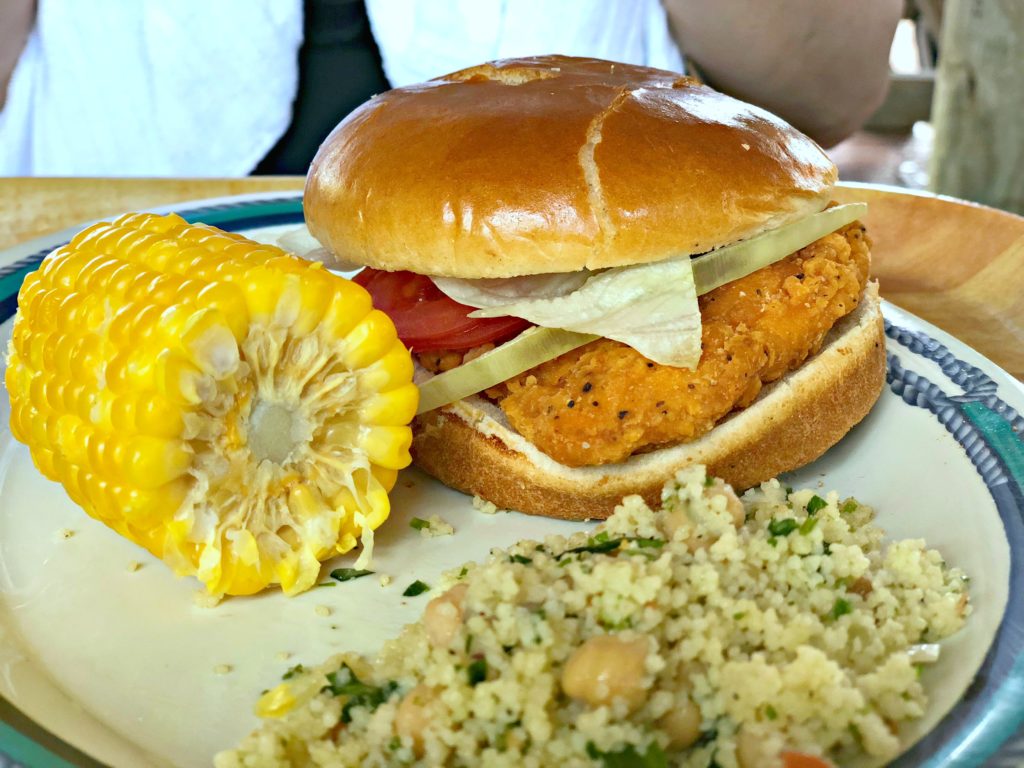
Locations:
(426, 319)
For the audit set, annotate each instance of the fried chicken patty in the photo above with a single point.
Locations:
(605, 401)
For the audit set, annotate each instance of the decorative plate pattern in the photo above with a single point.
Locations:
(990, 431)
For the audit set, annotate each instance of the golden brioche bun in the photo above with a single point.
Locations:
(470, 447)
(555, 164)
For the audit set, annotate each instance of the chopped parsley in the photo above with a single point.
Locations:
(418, 523)
(816, 504)
(855, 732)
(521, 559)
(615, 624)
(709, 481)
(706, 737)
(629, 757)
(783, 527)
(347, 574)
(808, 525)
(344, 682)
(416, 588)
(477, 671)
(769, 712)
(841, 607)
(850, 505)
(596, 545)
(298, 669)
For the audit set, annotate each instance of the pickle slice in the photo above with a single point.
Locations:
(731, 262)
(527, 350)
(537, 345)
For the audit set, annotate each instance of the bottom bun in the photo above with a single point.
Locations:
(469, 445)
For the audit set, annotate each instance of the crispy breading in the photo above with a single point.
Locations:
(604, 402)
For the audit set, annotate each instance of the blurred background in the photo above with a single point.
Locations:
(925, 94)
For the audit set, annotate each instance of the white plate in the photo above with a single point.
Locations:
(122, 664)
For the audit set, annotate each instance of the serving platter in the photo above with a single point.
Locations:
(105, 656)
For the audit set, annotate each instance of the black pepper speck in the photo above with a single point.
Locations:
(622, 414)
(587, 387)
(571, 404)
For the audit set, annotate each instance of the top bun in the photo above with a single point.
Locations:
(555, 164)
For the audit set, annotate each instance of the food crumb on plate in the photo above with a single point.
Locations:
(222, 669)
(385, 580)
(283, 656)
(134, 565)
(322, 610)
(65, 533)
(485, 506)
(204, 599)
(712, 631)
(432, 526)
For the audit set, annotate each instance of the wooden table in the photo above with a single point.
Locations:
(957, 265)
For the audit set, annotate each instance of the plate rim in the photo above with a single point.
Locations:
(976, 740)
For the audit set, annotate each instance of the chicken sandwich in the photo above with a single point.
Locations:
(607, 273)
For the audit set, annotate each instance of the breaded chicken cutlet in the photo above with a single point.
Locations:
(604, 402)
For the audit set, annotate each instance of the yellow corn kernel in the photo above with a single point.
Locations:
(277, 702)
(396, 407)
(391, 370)
(369, 340)
(349, 306)
(386, 477)
(304, 504)
(386, 446)
(190, 389)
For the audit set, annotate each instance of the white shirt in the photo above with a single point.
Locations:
(421, 39)
(151, 87)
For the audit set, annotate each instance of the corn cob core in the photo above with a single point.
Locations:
(240, 413)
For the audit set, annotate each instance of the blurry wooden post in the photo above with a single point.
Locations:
(978, 110)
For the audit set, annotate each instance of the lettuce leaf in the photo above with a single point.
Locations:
(649, 307)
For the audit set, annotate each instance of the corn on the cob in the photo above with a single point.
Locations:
(238, 412)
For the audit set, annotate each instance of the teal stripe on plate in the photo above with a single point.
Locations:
(245, 210)
(32, 746)
(1000, 437)
(11, 284)
(23, 750)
